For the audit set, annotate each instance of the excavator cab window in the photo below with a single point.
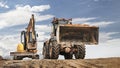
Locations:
(30, 37)
(23, 39)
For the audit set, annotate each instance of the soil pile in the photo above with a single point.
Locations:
(79, 63)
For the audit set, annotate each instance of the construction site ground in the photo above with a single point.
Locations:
(48, 63)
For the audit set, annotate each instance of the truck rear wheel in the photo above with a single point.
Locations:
(54, 50)
(80, 53)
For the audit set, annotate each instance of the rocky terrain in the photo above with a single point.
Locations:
(45, 63)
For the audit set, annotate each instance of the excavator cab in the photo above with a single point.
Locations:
(30, 39)
(23, 39)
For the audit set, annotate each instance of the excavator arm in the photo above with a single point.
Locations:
(31, 35)
(31, 29)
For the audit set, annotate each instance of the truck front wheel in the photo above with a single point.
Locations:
(54, 50)
(80, 53)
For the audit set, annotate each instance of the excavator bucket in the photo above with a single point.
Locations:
(77, 33)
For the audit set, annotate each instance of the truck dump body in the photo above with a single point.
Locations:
(76, 33)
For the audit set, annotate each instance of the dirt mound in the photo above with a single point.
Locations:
(85, 63)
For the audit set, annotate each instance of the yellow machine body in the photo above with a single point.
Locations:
(20, 47)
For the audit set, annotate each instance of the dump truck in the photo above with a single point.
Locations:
(69, 39)
(28, 45)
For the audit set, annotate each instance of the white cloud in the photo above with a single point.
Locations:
(113, 42)
(107, 47)
(21, 15)
(3, 5)
(105, 37)
(8, 43)
(43, 32)
(43, 28)
(80, 20)
(87, 21)
(40, 8)
(102, 23)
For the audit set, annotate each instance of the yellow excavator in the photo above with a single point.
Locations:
(28, 45)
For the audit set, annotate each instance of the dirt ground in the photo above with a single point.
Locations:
(45, 63)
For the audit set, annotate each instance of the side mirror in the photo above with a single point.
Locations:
(36, 35)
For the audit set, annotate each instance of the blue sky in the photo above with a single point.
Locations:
(15, 15)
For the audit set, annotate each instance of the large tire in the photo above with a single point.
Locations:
(54, 50)
(80, 53)
(45, 51)
(68, 56)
